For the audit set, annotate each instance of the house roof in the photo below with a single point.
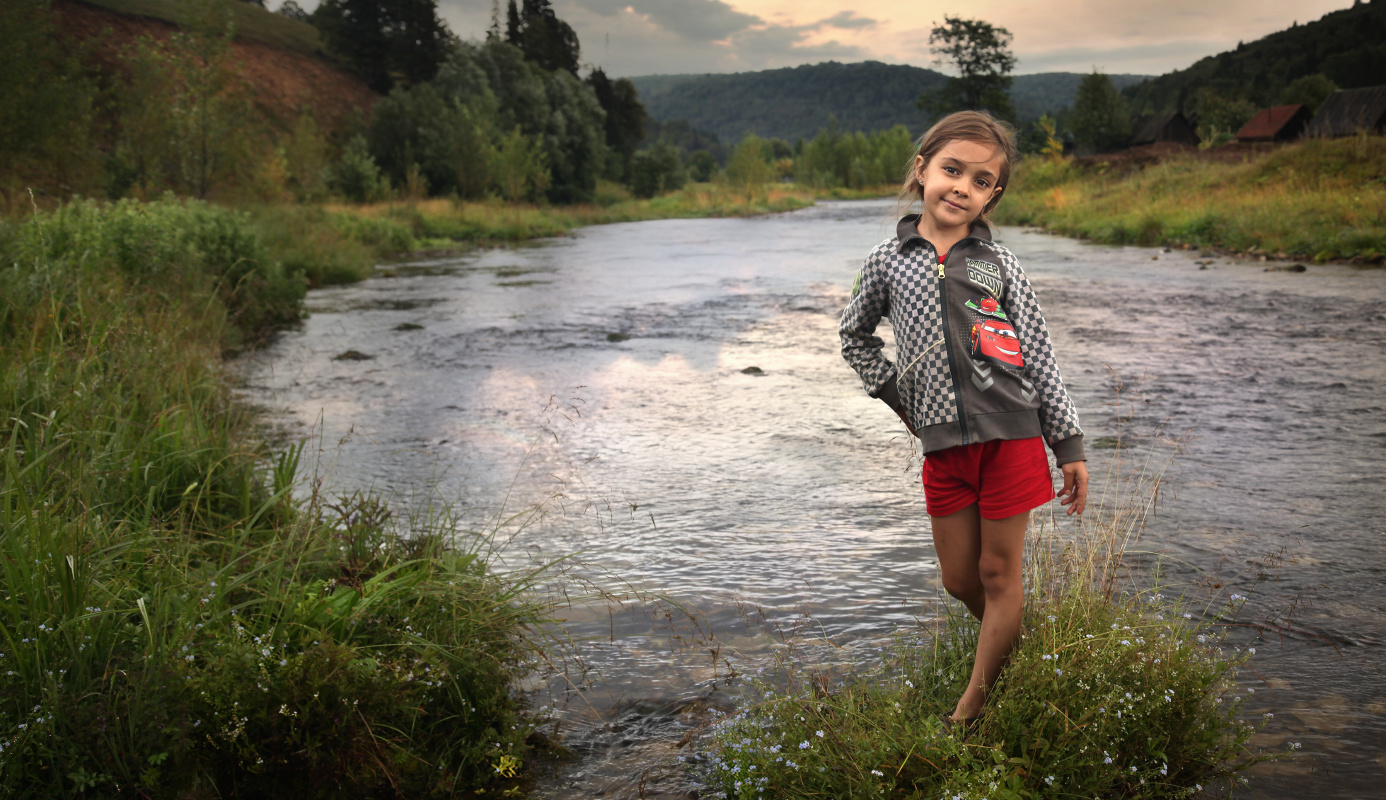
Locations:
(1149, 128)
(1269, 122)
(1349, 110)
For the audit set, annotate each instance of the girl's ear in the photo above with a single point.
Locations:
(918, 167)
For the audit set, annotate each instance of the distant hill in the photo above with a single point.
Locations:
(1047, 92)
(1348, 46)
(797, 101)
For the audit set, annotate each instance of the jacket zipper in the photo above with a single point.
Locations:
(948, 344)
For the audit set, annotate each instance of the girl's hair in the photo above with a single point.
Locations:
(970, 126)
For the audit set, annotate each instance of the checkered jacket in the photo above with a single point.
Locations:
(973, 357)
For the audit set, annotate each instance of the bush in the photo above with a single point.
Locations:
(356, 176)
(656, 171)
(701, 166)
(170, 247)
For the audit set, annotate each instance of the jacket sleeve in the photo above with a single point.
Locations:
(1058, 415)
(861, 347)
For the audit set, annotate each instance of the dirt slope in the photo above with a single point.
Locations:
(283, 82)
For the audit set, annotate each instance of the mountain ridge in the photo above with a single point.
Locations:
(795, 102)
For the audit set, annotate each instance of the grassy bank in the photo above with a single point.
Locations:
(1317, 199)
(172, 622)
(1108, 694)
(341, 243)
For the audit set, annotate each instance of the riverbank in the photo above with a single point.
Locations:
(1318, 199)
(173, 616)
(338, 243)
(175, 619)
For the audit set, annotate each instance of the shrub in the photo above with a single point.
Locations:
(356, 177)
(656, 171)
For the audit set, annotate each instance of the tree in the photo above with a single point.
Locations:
(1219, 115)
(294, 11)
(386, 41)
(980, 52)
(521, 169)
(625, 117)
(656, 171)
(1309, 91)
(749, 165)
(553, 107)
(1099, 116)
(45, 101)
(544, 38)
(356, 176)
(211, 106)
(701, 166)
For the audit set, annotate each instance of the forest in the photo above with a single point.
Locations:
(866, 96)
(1346, 47)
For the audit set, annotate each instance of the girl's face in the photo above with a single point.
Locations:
(957, 183)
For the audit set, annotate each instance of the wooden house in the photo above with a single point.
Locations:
(1171, 127)
(1348, 111)
(1277, 124)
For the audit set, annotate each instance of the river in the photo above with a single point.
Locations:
(606, 373)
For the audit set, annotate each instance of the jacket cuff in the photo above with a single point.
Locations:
(1070, 449)
(890, 394)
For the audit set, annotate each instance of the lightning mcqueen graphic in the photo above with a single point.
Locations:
(996, 340)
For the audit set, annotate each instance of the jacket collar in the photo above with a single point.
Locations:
(906, 232)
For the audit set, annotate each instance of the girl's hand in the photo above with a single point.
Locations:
(1075, 491)
(906, 419)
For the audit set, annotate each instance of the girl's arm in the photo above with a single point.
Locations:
(861, 347)
(1058, 415)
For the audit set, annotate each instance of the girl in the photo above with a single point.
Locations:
(975, 378)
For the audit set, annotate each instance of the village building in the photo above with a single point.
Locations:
(1348, 112)
(1277, 124)
(1170, 127)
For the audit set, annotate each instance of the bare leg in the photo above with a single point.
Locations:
(958, 543)
(994, 573)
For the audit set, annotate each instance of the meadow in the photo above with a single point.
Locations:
(176, 621)
(1317, 199)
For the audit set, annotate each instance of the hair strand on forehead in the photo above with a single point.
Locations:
(969, 126)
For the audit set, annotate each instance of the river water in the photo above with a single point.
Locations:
(602, 373)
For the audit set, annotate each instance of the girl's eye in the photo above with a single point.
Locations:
(951, 170)
(982, 183)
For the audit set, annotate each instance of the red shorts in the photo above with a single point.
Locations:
(1004, 477)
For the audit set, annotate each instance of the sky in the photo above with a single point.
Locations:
(1145, 37)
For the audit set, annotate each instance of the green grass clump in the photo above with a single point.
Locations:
(173, 623)
(1319, 199)
(327, 247)
(1107, 694)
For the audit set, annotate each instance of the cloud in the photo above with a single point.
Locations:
(1148, 59)
(642, 37)
(847, 20)
(696, 20)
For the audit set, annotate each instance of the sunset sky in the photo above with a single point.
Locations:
(644, 37)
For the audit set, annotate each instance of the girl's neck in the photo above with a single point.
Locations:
(942, 239)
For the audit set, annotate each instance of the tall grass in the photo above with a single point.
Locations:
(172, 622)
(1319, 199)
(442, 222)
(1114, 690)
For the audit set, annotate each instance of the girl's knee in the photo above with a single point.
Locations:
(998, 574)
(962, 587)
